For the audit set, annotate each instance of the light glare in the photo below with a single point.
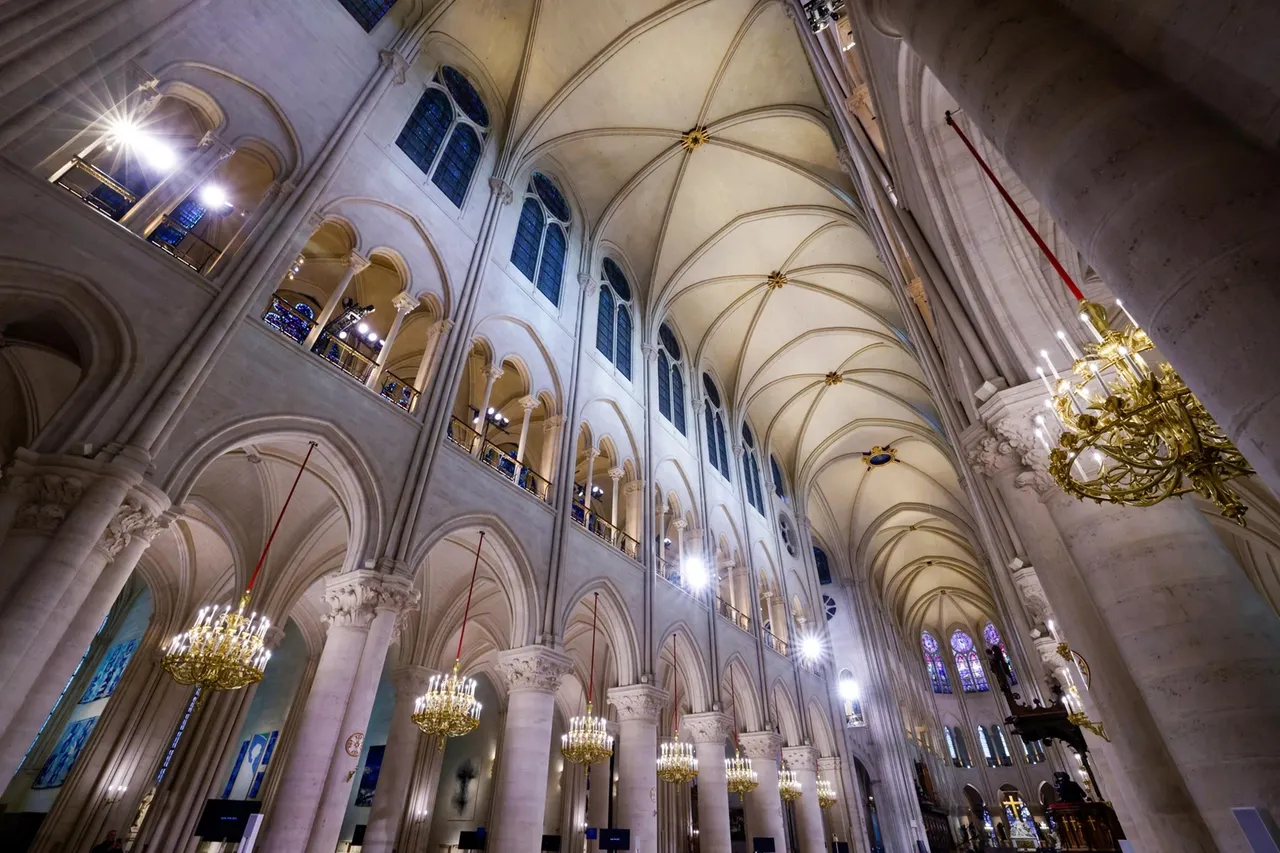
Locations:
(848, 689)
(811, 647)
(214, 196)
(695, 573)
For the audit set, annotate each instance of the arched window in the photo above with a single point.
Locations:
(1001, 746)
(851, 697)
(933, 661)
(1034, 751)
(717, 452)
(973, 679)
(445, 133)
(613, 319)
(787, 533)
(984, 741)
(751, 470)
(992, 636)
(820, 563)
(778, 488)
(542, 237)
(367, 12)
(670, 379)
(956, 746)
(829, 606)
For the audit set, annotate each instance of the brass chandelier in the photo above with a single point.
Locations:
(226, 649)
(677, 763)
(449, 707)
(742, 780)
(826, 794)
(1126, 433)
(788, 784)
(588, 740)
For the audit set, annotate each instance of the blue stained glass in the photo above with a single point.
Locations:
(933, 661)
(65, 753)
(724, 456)
(551, 268)
(755, 481)
(664, 385)
(624, 342)
(747, 437)
(668, 340)
(551, 196)
(823, 566)
(465, 95)
(524, 254)
(968, 665)
(992, 636)
(458, 165)
(367, 12)
(777, 477)
(617, 280)
(424, 132)
(712, 394)
(107, 677)
(183, 218)
(677, 399)
(604, 323)
(712, 454)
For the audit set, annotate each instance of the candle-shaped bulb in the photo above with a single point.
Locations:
(1045, 380)
(1045, 355)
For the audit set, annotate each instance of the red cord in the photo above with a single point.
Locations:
(675, 676)
(1044, 247)
(467, 612)
(595, 610)
(279, 518)
(734, 694)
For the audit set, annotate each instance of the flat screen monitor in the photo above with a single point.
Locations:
(550, 844)
(615, 839)
(224, 820)
(764, 845)
(471, 840)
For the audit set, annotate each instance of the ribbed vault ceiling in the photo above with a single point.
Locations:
(819, 365)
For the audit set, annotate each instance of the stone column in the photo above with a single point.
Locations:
(395, 597)
(354, 600)
(837, 815)
(600, 790)
(764, 805)
(415, 822)
(397, 766)
(435, 335)
(633, 495)
(403, 303)
(638, 706)
(492, 374)
(615, 475)
(550, 441)
(532, 675)
(709, 732)
(356, 264)
(804, 761)
(527, 405)
(147, 212)
(592, 455)
(1106, 146)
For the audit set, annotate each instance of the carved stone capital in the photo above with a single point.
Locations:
(638, 702)
(47, 500)
(760, 745)
(404, 302)
(398, 64)
(356, 597)
(536, 668)
(493, 372)
(410, 680)
(801, 757)
(133, 519)
(552, 423)
(712, 727)
(1032, 593)
(1047, 648)
(829, 765)
(616, 474)
(588, 283)
(528, 403)
(680, 524)
(357, 262)
(502, 190)
(846, 161)
(592, 453)
(649, 351)
(633, 487)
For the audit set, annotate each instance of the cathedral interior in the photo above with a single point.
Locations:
(682, 426)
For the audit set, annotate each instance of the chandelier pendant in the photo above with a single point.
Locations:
(588, 740)
(826, 794)
(677, 763)
(788, 784)
(741, 778)
(449, 707)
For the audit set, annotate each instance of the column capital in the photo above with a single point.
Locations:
(404, 302)
(213, 142)
(650, 352)
(356, 597)
(357, 262)
(442, 327)
(633, 487)
(638, 702)
(593, 453)
(492, 372)
(760, 744)
(533, 668)
(738, 450)
(410, 680)
(680, 524)
(529, 403)
(552, 423)
(616, 473)
(1006, 437)
(588, 283)
(133, 519)
(711, 727)
(393, 60)
(801, 757)
(829, 764)
(502, 190)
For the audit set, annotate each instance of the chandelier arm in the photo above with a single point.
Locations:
(591, 682)
(1048, 253)
(466, 613)
(253, 579)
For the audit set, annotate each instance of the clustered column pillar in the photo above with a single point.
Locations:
(764, 805)
(638, 706)
(600, 790)
(532, 675)
(355, 264)
(804, 761)
(709, 733)
(390, 798)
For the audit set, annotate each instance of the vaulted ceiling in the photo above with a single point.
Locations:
(604, 92)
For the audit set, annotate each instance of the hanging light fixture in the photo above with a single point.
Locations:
(449, 707)
(677, 763)
(788, 784)
(742, 779)
(826, 794)
(588, 740)
(226, 649)
(1124, 432)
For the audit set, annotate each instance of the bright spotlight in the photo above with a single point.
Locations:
(342, 336)
(848, 689)
(214, 197)
(695, 573)
(363, 328)
(373, 337)
(811, 647)
(158, 155)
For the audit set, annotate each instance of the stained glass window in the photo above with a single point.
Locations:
(541, 239)
(751, 470)
(367, 12)
(424, 133)
(951, 746)
(664, 385)
(1001, 746)
(677, 398)
(829, 606)
(984, 741)
(777, 478)
(717, 452)
(670, 380)
(464, 95)
(605, 319)
(822, 565)
(524, 254)
(461, 156)
(992, 636)
(624, 341)
(973, 679)
(613, 327)
(933, 661)
(450, 109)
(551, 268)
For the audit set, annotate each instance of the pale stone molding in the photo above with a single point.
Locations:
(593, 453)
(650, 352)
(1033, 595)
(493, 371)
(632, 487)
(829, 764)
(738, 450)
(47, 500)
(404, 302)
(638, 702)
(533, 668)
(616, 473)
(133, 519)
(355, 597)
(393, 60)
(760, 744)
(410, 680)
(528, 403)
(357, 262)
(1047, 647)
(846, 161)
(878, 14)
(552, 423)
(502, 190)
(213, 142)
(680, 524)
(711, 727)
(801, 757)
(588, 283)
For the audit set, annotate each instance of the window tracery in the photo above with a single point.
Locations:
(717, 451)
(992, 636)
(670, 379)
(445, 133)
(933, 662)
(368, 12)
(613, 318)
(542, 236)
(973, 679)
(751, 470)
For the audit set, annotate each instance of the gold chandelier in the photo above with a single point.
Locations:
(226, 649)
(826, 794)
(788, 784)
(677, 763)
(742, 779)
(1128, 434)
(449, 707)
(588, 740)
